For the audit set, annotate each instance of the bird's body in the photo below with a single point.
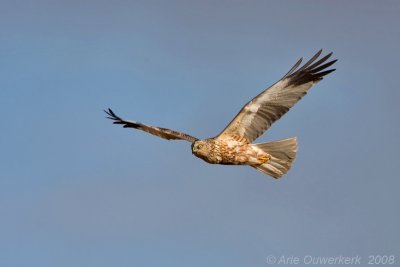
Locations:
(234, 145)
(232, 150)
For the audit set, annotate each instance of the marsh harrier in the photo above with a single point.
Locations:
(234, 145)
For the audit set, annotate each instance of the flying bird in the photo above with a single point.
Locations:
(234, 145)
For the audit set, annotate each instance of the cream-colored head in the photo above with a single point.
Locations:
(201, 149)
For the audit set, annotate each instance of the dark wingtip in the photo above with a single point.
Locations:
(111, 115)
(324, 73)
(111, 112)
(314, 69)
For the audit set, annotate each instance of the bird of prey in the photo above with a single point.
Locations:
(234, 145)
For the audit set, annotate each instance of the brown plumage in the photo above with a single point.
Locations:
(233, 146)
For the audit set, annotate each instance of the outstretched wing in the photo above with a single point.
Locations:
(158, 131)
(266, 108)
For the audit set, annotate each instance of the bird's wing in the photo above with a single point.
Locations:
(266, 108)
(158, 131)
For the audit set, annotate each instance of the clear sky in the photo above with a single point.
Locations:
(76, 190)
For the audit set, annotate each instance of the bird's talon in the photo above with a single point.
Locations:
(263, 159)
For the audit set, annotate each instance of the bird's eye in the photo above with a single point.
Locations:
(199, 146)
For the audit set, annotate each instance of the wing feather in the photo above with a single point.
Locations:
(261, 112)
(157, 131)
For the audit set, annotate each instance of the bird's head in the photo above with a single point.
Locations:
(200, 148)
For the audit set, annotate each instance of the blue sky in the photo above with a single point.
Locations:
(76, 190)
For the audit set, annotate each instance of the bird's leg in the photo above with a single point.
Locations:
(263, 158)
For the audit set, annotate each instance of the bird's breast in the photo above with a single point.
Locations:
(227, 151)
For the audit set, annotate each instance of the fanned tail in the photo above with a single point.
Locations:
(282, 152)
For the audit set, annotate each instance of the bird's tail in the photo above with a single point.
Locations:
(282, 152)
